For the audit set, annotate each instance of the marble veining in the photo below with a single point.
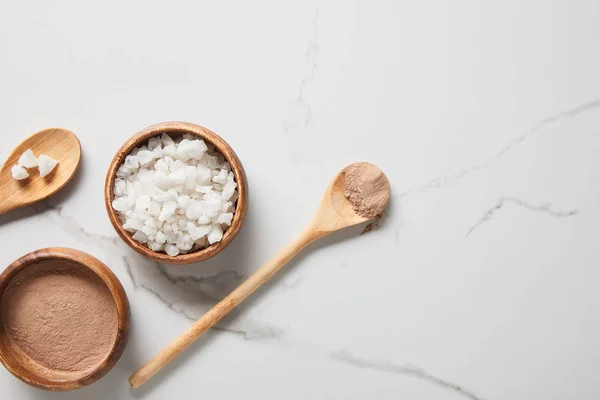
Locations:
(299, 112)
(404, 370)
(441, 181)
(502, 201)
(478, 282)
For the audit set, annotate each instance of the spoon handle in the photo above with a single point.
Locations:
(223, 307)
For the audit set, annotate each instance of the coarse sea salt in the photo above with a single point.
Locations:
(175, 195)
(44, 163)
(28, 159)
(19, 173)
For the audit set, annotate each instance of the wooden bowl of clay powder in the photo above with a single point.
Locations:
(64, 319)
(176, 193)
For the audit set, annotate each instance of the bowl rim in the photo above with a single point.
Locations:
(99, 269)
(178, 127)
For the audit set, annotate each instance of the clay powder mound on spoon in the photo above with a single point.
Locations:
(367, 188)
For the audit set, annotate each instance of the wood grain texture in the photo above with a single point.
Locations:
(60, 144)
(335, 212)
(174, 129)
(26, 369)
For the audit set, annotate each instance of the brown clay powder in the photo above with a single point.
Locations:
(367, 188)
(61, 315)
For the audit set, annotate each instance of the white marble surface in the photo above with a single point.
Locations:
(481, 281)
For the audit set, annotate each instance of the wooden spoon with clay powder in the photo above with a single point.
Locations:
(358, 193)
(59, 144)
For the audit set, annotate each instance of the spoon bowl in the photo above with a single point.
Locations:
(336, 211)
(60, 144)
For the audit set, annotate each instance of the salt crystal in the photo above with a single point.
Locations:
(203, 189)
(123, 171)
(175, 165)
(161, 196)
(166, 139)
(142, 202)
(119, 204)
(168, 209)
(224, 218)
(154, 209)
(140, 236)
(46, 164)
(215, 234)
(194, 209)
(145, 156)
(184, 243)
(120, 186)
(171, 250)
(133, 224)
(150, 222)
(184, 150)
(132, 161)
(154, 143)
(212, 204)
(160, 237)
(210, 161)
(221, 177)
(196, 232)
(199, 148)
(227, 207)
(173, 237)
(162, 180)
(161, 165)
(228, 190)
(155, 246)
(177, 176)
(183, 201)
(28, 159)
(158, 152)
(204, 220)
(149, 231)
(203, 175)
(19, 173)
(190, 177)
(169, 150)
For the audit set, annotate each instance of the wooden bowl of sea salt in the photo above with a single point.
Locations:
(176, 193)
(64, 319)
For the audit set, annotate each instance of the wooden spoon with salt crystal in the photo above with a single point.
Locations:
(57, 143)
(358, 193)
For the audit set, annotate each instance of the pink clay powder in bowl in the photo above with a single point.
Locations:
(64, 319)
